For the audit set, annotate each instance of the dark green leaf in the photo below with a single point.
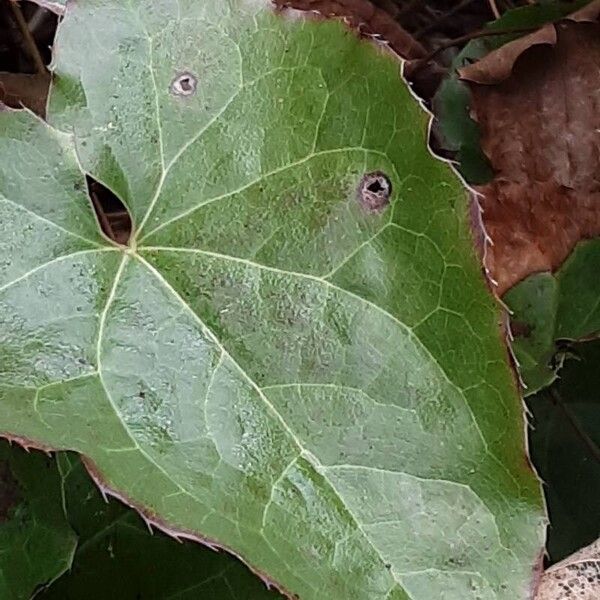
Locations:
(117, 556)
(36, 542)
(565, 442)
(548, 308)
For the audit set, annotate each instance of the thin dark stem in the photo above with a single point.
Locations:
(421, 32)
(494, 9)
(410, 6)
(572, 419)
(467, 38)
(103, 218)
(32, 48)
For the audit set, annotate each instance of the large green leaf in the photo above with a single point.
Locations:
(117, 557)
(36, 541)
(548, 308)
(313, 380)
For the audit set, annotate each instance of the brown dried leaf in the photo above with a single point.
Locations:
(498, 65)
(22, 89)
(541, 131)
(366, 17)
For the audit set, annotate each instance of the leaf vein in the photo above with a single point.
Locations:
(51, 262)
(409, 330)
(257, 180)
(48, 221)
(311, 459)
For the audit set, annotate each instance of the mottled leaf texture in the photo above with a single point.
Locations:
(549, 308)
(118, 557)
(308, 376)
(36, 541)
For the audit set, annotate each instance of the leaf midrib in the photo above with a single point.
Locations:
(308, 157)
(129, 254)
(410, 331)
(49, 222)
(302, 452)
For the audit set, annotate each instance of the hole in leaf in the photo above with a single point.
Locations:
(113, 216)
(374, 191)
(375, 187)
(16, 54)
(184, 84)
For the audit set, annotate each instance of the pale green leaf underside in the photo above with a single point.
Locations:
(321, 389)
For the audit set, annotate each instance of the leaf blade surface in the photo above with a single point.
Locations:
(272, 364)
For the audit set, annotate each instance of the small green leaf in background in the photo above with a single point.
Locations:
(36, 541)
(294, 366)
(551, 308)
(564, 445)
(117, 556)
(60, 537)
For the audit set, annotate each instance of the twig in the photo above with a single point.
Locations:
(494, 9)
(421, 32)
(405, 10)
(467, 38)
(102, 216)
(366, 16)
(583, 436)
(37, 19)
(32, 48)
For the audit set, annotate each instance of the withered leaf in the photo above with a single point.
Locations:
(539, 129)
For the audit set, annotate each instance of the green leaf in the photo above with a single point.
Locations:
(565, 442)
(118, 557)
(309, 377)
(548, 308)
(36, 541)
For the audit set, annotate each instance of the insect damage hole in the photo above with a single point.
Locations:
(113, 216)
(184, 84)
(374, 191)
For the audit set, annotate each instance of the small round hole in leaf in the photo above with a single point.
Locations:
(184, 84)
(374, 191)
